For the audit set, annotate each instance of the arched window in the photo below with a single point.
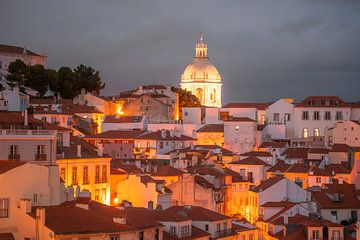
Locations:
(199, 94)
(213, 95)
(316, 132)
(305, 133)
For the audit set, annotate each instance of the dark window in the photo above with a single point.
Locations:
(4, 208)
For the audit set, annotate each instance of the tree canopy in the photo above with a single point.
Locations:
(66, 81)
(186, 99)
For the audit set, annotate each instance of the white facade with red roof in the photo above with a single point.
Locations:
(40, 185)
(239, 134)
(316, 113)
(347, 132)
(9, 54)
(255, 111)
(279, 119)
(28, 139)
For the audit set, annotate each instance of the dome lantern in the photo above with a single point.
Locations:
(201, 48)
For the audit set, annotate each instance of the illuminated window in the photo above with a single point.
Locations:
(104, 173)
(85, 175)
(199, 94)
(97, 174)
(63, 174)
(74, 176)
(305, 133)
(316, 132)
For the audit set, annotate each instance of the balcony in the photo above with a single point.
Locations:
(224, 233)
(337, 238)
(14, 157)
(40, 157)
(25, 133)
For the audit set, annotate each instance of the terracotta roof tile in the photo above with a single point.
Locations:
(257, 154)
(273, 145)
(319, 150)
(128, 168)
(340, 148)
(8, 165)
(267, 184)
(337, 196)
(163, 170)
(157, 135)
(212, 128)
(6, 236)
(296, 152)
(117, 134)
(16, 120)
(87, 150)
(197, 213)
(250, 161)
(337, 169)
(239, 119)
(259, 106)
(280, 167)
(17, 50)
(322, 101)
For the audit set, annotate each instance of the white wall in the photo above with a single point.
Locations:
(239, 137)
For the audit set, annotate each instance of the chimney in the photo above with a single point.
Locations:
(100, 149)
(25, 205)
(286, 219)
(78, 152)
(26, 120)
(40, 215)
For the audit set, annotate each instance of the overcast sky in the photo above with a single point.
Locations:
(264, 50)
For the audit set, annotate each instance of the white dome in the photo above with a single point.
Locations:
(201, 70)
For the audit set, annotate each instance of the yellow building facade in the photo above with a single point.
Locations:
(90, 174)
(202, 78)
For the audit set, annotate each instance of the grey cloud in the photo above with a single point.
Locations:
(263, 49)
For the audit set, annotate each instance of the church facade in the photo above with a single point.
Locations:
(202, 78)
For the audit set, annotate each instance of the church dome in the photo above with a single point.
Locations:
(201, 69)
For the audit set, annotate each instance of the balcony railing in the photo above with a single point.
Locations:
(14, 157)
(20, 132)
(337, 238)
(101, 180)
(224, 233)
(40, 157)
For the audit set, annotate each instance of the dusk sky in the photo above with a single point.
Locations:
(264, 50)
